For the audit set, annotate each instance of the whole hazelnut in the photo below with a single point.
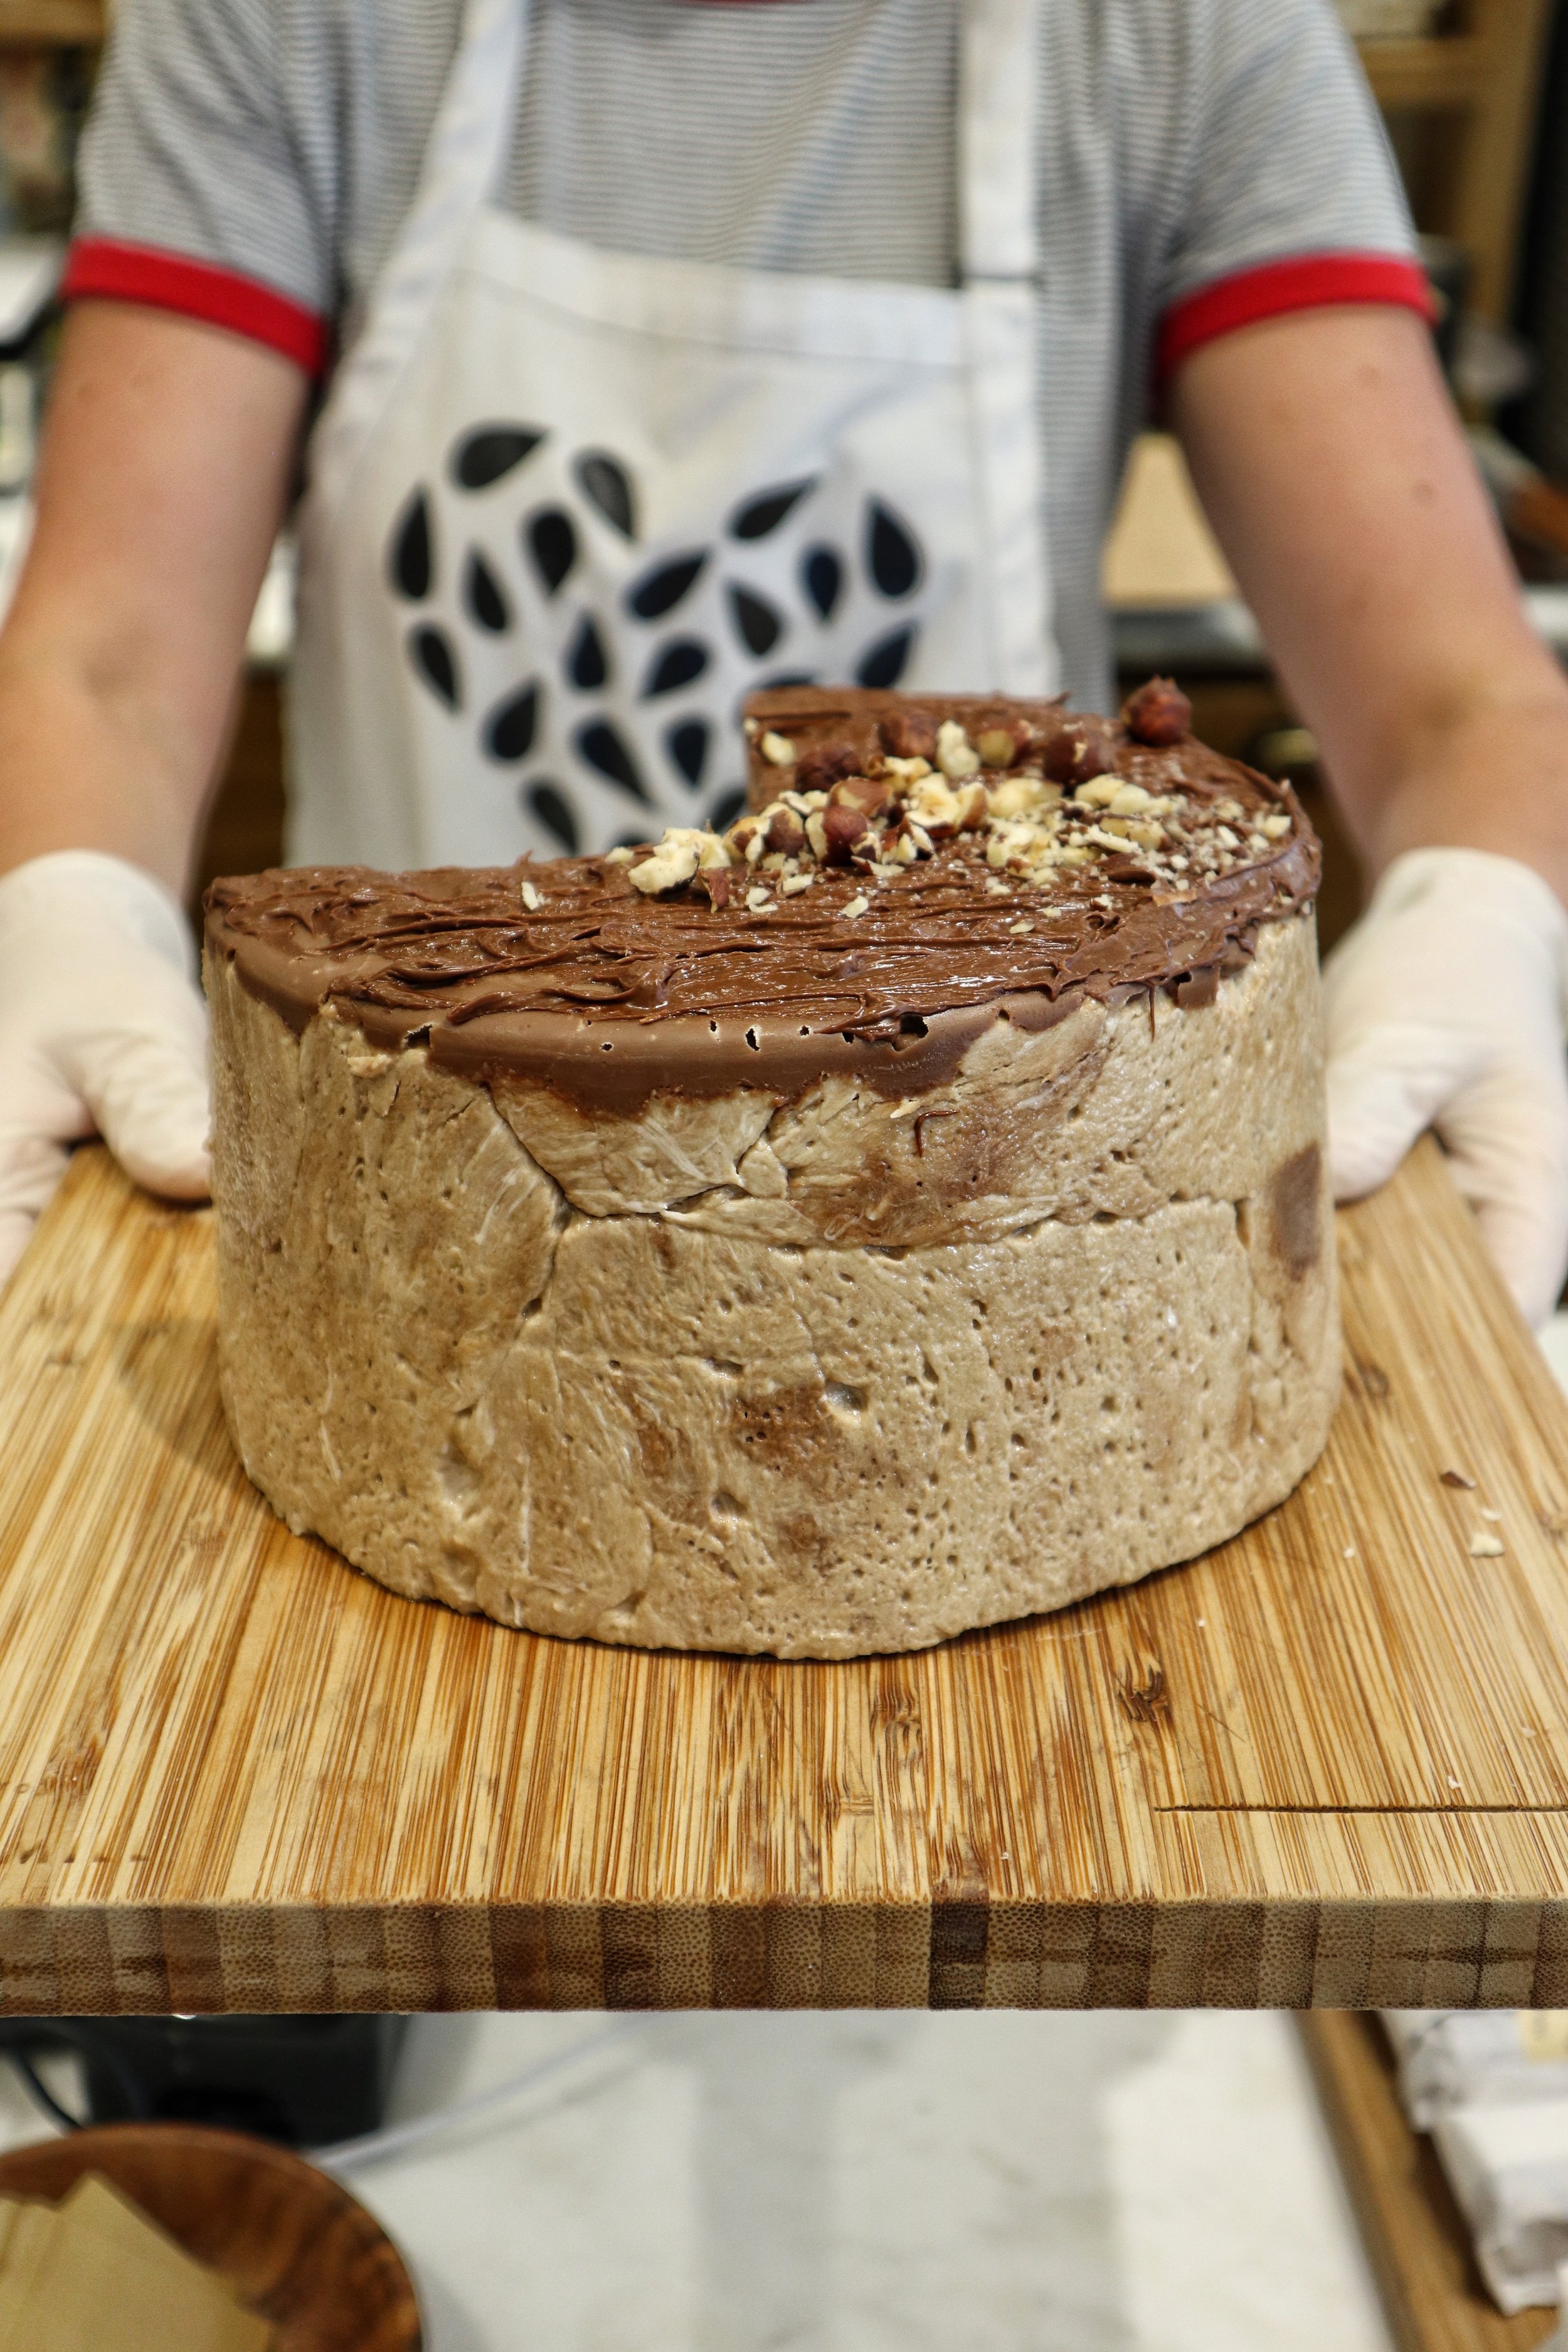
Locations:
(1158, 714)
(908, 734)
(843, 829)
(820, 765)
(786, 832)
(1083, 749)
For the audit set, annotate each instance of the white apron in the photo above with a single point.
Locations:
(566, 507)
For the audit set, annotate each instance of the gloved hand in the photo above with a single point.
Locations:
(102, 1029)
(1445, 1008)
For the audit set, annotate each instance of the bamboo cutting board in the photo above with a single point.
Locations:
(1327, 1763)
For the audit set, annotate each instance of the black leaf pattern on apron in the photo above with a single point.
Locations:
(483, 455)
(884, 663)
(822, 574)
(728, 806)
(554, 811)
(802, 581)
(600, 745)
(687, 744)
(587, 663)
(484, 597)
(606, 485)
(434, 657)
(511, 727)
(411, 559)
(760, 623)
(659, 591)
(681, 660)
(553, 543)
(892, 551)
(758, 515)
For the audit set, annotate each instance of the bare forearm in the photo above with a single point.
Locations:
(1326, 453)
(86, 764)
(165, 466)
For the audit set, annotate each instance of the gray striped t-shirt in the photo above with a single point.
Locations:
(1198, 163)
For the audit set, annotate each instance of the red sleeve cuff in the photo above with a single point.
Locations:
(222, 298)
(1311, 281)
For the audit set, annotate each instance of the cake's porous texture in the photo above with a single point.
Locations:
(682, 1257)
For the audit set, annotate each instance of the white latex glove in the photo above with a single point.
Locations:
(102, 1030)
(1445, 1009)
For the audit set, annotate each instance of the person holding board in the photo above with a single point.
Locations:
(634, 355)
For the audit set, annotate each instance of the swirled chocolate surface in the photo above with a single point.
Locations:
(610, 995)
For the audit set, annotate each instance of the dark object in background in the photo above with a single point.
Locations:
(1447, 267)
(306, 2082)
(1538, 421)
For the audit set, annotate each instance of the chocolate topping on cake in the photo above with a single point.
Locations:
(875, 914)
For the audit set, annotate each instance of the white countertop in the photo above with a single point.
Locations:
(883, 2181)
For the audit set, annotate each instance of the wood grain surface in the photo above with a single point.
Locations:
(1328, 1763)
(1414, 2232)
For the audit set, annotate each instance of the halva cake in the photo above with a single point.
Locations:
(900, 1213)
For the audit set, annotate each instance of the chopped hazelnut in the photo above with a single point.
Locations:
(1023, 796)
(1276, 827)
(1128, 799)
(935, 806)
(1101, 791)
(871, 795)
(776, 748)
(530, 895)
(855, 905)
(665, 867)
(621, 856)
(758, 898)
(973, 807)
(999, 746)
(955, 755)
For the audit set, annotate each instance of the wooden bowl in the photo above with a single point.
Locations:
(300, 2248)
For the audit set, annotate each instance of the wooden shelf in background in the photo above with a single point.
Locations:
(1447, 70)
(52, 23)
(1416, 2235)
(1485, 74)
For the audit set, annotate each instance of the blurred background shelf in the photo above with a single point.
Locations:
(1461, 106)
(1413, 2233)
(47, 24)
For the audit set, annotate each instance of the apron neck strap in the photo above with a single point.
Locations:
(999, 70)
(470, 143)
